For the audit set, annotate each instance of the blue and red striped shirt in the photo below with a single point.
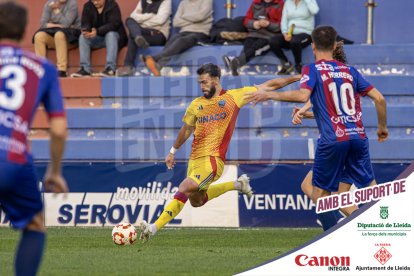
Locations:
(336, 90)
(25, 81)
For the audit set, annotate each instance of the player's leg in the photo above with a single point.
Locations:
(327, 170)
(242, 184)
(306, 185)
(21, 201)
(186, 187)
(197, 175)
(307, 188)
(30, 249)
(346, 187)
(358, 165)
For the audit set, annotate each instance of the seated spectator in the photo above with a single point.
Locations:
(101, 28)
(149, 24)
(59, 29)
(229, 31)
(298, 22)
(263, 22)
(194, 18)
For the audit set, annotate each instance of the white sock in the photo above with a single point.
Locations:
(153, 228)
(237, 185)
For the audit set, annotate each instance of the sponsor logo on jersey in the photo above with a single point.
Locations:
(212, 118)
(222, 103)
(200, 107)
(324, 67)
(339, 132)
(346, 118)
(304, 78)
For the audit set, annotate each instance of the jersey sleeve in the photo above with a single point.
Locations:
(362, 85)
(308, 80)
(190, 115)
(238, 94)
(52, 99)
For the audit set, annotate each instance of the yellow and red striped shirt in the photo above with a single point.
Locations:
(214, 121)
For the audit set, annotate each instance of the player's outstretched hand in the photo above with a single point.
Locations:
(297, 116)
(55, 183)
(169, 161)
(382, 134)
(256, 97)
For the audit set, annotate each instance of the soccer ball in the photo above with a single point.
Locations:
(124, 234)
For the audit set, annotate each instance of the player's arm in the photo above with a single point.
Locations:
(302, 95)
(54, 182)
(184, 133)
(278, 83)
(53, 102)
(302, 113)
(381, 107)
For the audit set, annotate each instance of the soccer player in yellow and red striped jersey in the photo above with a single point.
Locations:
(212, 118)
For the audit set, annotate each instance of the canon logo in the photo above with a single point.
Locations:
(303, 260)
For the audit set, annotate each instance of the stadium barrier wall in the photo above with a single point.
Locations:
(104, 194)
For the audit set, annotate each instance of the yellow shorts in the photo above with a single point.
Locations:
(205, 170)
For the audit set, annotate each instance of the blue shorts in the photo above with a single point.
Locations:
(20, 196)
(347, 160)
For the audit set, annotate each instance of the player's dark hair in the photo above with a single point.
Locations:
(13, 19)
(339, 53)
(324, 37)
(209, 68)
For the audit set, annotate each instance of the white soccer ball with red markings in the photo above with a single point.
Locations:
(124, 234)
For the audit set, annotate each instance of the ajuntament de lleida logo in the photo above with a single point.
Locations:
(384, 212)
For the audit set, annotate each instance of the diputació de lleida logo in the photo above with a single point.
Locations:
(384, 212)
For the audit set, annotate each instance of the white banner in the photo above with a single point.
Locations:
(379, 241)
(135, 204)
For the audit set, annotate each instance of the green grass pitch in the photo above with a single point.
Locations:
(173, 251)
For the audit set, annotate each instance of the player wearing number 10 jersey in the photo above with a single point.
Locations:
(334, 89)
(25, 82)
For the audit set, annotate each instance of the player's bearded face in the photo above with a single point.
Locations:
(208, 94)
(207, 85)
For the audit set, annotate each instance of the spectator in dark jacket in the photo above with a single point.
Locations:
(148, 24)
(102, 27)
(263, 22)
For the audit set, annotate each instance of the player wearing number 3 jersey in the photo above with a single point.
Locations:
(25, 82)
(334, 89)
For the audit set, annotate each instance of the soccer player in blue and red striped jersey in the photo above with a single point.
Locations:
(25, 82)
(335, 89)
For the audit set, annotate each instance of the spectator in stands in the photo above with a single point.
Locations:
(298, 22)
(59, 29)
(263, 22)
(101, 28)
(194, 18)
(149, 24)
